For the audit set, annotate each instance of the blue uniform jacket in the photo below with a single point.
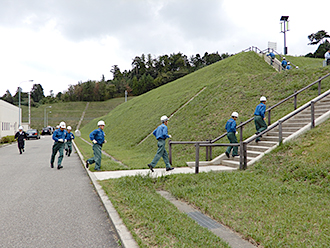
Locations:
(98, 135)
(69, 136)
(284, 63)
(260, 110)
(272, 55)
(58, 134)
(161, 132)
(231, 125)
(288, 67)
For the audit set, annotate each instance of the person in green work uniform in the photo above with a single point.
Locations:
(161, 135)
(68, 143)
(59, 136)
(231, 134)
(97, 137)
(259, 117)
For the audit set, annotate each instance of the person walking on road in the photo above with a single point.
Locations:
(68, 143)
(59, 136)
(161, 134)
(231, 135)
(259, 117)
(21, 137)
(97, 137)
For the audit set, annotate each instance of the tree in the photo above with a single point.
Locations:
(8, 97)
(37, 92)
(317, 37)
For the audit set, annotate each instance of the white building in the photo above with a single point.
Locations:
(8, 118)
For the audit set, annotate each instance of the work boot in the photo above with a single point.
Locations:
(168, 169)
(59, 167)
(151, 168)
(227, 154)
(66, 152)
(87, 164)
(51, 165)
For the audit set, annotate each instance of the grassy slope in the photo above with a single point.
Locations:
(234, 84)
(70, 112)
(280, 202)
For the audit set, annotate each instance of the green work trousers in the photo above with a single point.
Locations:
(260, 124)
(57, 147)
(68, 147)
(161, 153)
(97, 156)
(232, 139)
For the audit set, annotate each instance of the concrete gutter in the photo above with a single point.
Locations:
(126, 238)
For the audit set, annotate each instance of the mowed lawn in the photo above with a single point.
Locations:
(282, 201)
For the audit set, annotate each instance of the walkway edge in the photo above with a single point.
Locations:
(126, 238)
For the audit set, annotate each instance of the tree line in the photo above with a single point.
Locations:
(147, 73)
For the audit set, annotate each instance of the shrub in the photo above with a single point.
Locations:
(7, 139)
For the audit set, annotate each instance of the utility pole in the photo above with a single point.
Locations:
(284, 20)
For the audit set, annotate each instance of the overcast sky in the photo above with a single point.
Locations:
(57, 43)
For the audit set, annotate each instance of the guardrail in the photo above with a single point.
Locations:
(243, 159)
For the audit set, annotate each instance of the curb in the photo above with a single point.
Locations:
(126, 238)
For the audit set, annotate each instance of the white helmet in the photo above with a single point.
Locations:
(283, 57)
(20, 128)
(164, 118)
(69, 128)
(101, 123)
(234, 114)
(62, 124)
(289, 63)
(263, 99)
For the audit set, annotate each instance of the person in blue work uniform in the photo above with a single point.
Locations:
(259, 117)
(272, 57)
(288, 67)
(68, 143)
(231, 134)
(97, 137)
(284, 63)
(59, 136)
(161, 134)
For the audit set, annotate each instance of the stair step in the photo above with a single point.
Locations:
(253, 154)
(258, 148)
(284, 134)
(230, 163)
(294, 124)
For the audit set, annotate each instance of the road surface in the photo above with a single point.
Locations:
(44, 207)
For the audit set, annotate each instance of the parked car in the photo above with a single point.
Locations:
(47, 130)
(33, 134)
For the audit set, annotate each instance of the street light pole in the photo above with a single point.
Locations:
(19, 101)
(45, 116)
(284, 20)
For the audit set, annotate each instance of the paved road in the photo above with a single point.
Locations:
(44, 207)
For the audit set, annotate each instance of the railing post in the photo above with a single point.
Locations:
(279, 132)
(210, 150)
(170, 151)
(269, 118)
(319, 87)
(245, 156)
(197, 158)
(295, 101)
(241, 150)
(312, 115)
(207, 148)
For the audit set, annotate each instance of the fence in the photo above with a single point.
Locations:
(243, 144)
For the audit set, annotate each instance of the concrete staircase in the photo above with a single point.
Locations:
(291, 128)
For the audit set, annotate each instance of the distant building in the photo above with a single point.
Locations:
(8, 118)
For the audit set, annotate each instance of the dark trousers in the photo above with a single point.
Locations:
(232, 139)
(57, 147)
(97, 149)
(20, 144)
(260, 124)
(328, 61)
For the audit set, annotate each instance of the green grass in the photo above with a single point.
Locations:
(70, 112)
(106, 163)
(282, 201)
(152, 220)
(233, 84)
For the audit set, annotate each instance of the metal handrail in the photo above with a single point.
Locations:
(209, 143)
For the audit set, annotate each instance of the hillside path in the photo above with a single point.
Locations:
(45, 207)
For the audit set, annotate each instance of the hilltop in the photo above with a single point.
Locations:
(233, 84)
